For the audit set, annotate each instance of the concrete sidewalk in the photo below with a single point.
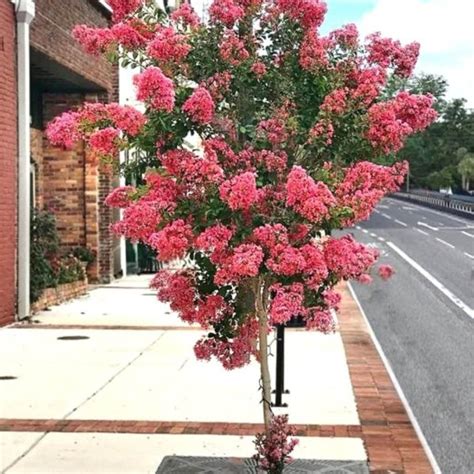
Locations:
(124, 389)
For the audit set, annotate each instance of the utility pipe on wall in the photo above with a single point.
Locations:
(25, 12)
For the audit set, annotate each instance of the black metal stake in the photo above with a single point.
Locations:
(280, 368)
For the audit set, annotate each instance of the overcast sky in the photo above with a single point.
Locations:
(443, 27)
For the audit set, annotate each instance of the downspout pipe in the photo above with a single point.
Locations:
(25, 12)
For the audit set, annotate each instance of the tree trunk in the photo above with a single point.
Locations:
(261, 310)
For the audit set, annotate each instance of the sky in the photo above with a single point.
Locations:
(443, 28)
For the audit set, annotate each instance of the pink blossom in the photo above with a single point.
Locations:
(213, 238)
(132, 34)
(310, 199)
(123, 8)
(387, 52)
(246, 260)
(315, 268)
(269, 236)
(366, 84)
(240, 192)
(313, 52)
(320, 320)
(163, 191)
(168, 46)
(232, 49)
(218, 84)
(200, 106)
(105, 141)
(385, 271)
(323, 131)
(365, 279)
(347, 36)
(231, 353)
(172, 241)
(332, 299)
(259, 68)
(286, 303)
(63, 130)
(273, 161)
(177, 288)
(274, 447)
(347, 258)
(138, 223)
(335, 102)
(310, 13)
(126, 118)
(120, 197)
(286, 260)
(155, 88)
(226, 12)
(186, 15)
(93, 40)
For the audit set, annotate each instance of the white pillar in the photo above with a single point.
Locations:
(25, 12)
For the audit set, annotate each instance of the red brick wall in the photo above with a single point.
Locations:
(8, 162)
(51, 34)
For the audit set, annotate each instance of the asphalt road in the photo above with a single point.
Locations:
(424, 320)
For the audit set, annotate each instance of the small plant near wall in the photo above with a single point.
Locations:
(48, 268)
(85, 255)
(293, 127)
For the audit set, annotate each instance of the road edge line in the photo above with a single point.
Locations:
(433, 280)
(398, 388)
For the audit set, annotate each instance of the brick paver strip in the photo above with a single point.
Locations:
(391, 441)
(171, 427)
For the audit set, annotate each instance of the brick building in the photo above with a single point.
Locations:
(66, 183)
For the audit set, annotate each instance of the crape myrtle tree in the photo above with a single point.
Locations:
(291, 125)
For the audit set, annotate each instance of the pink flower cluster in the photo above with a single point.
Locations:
(200, 106)
(320, 320)
(365, 184)
(94, 40)
(120, 197)
(366, 84)
(287, 301)
(232, 49)
(139, 222)
(385, 271)
(218, 84)
(335, 102)
(63, 130)
(168, 46)
(390, 123)
(131, 34)
(387, 52)
(172, 241)
(126, 118)
(309, 13)
(105, 141)
(314, 52)
(123, 8)
(259, 68)
(310, 199)
(273, 161)
(348, 258)
(186, 15)
(346, 37)
(232, 353)
(226, 12)
(155, 88)
(163, 191)
(240, 192)
(323, 131)
(274, 447)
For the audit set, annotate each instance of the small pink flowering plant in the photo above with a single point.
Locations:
(292, 126)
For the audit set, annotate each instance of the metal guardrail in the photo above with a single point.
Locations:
(447, 203)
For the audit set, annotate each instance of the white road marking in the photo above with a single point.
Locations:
(444, 242)
(421, 231)
(469, 255)
(436, 283)
(406, 208)
(427, 225)
(365, 231)
(381, 239)
(386, 216)
(358, 227)
(396, 384)
(373, 235)
(400, 222)
(467, 233)
(383, 206)
(376, 211)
